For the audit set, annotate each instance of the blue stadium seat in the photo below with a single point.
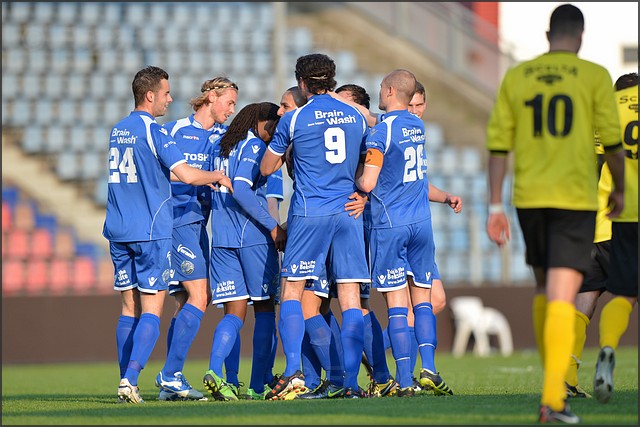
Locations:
(14, 59)
(67, 167)
(78, 138)
(10, 88)
(82, 60)
(67, 13)
(81, 35)
(57, 36)
(38, 61)
(67, 112)
(89, 111)
(43, 12)
(92, 164)
(31, 86)
(11, 35)
(54, 86)
(20, 13)
(32, 139)
(21, 113)
(56, 140)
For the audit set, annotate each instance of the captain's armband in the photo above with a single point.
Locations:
(374, 158)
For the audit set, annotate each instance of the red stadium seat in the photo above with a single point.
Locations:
(41, 244)
(36, 276)
(18, 241)
(12, 277)
(24, 215)
(64, 246)
(59, 276)
(7, 216)
(83, 275)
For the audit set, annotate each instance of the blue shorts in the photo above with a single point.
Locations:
(243, 273)
(190, 255)
(400, 251)
(142, 265)
(312, 240)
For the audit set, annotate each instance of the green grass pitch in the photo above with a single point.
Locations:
(489, 391)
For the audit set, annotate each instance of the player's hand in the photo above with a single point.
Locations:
(454, 202)
(356, 207)
(498, 228)
(223, 180)
(616, 204)
(279, 236)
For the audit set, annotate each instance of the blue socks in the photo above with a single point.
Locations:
(311, 365)
(378, 358)
(224, 338)
(353, 345)
(185, 328)
(170, 333)
(124, 340)
(265, 324)
(232, 362)
(320, 339)
(144, 340)
(400, 338)
(426, 334)
(414, 348)
(336, 372)
(291, 326)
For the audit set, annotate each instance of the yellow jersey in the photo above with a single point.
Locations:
(546, 112)
(628, 110)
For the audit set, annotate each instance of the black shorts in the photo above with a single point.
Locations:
(558, 237)
(623, 271)
(598, 273)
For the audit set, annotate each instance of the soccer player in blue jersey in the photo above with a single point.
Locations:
(195, 135)
(139, 220)
(245, 239)
(328, 137)
(401, 240)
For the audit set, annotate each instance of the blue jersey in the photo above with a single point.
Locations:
(401, 195)
(328, 138)
(141, 154)
(193, 203)
(242, 219)
(275, 187)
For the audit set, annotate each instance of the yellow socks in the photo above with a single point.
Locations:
(559, 337)
(539, 310)
(614, 321)
(582, 322)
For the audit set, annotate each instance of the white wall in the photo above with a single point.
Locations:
(608, 26)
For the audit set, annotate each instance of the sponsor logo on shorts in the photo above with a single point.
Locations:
(382, 278)
(186, 251)
(152, 281)
(122, 278)
(324, 284)
(187, 267)
(226, 288)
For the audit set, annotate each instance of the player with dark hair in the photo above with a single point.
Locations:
(245, 239)
(195, 136)
(545, 112)
(354, 93)
(139, 220)
(622, 280)
(325, 159)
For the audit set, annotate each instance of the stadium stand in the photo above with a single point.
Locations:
(76, 61)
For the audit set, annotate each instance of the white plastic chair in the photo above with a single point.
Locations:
(472, 317)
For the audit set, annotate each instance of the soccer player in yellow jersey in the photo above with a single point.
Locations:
(595, 280)
(545, 112)
(623, 274)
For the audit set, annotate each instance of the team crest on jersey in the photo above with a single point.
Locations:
(255, 149)
(549, 78)
(187, 267)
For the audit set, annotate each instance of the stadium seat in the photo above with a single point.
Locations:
(57, 37)
(14, 60)
(105, 274)
(54, 86)
(24, 215)
(55, 140)
(32, 139)
(91, 13)
(81, 35)
(18, 241)
(67, 13)
(473, 318)
(36, 276)
(20, 13)
(59, 276)
(67, 114)
(38, 61)
(89, 112)
(31, 88)
(82, 60)
(92, 164)
(7, 217)
(41, 246)
(10, 88)
(43, 12)
(12, 277)
(35, 36)
(83, 278)
(67, 166)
